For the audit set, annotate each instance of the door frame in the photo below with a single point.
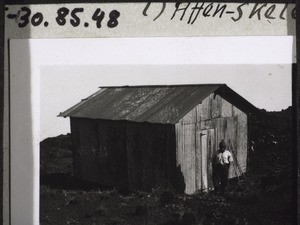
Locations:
(206, 140)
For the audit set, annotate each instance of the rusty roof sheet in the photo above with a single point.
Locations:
(154, 104)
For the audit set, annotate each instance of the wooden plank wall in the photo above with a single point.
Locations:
(82, 148)
(141, 155)
(120, 153)
(111, 137)
(100, 151)
(151, 155)
(226, 121)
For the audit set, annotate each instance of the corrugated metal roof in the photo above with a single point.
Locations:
(154, 104)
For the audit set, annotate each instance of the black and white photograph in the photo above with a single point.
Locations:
(149, 130)
(204, 144)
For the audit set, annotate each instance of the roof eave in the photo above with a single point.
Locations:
(237, 100)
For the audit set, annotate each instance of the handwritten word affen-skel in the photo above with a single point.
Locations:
(192, 11)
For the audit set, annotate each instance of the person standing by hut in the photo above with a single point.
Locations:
(221, 163)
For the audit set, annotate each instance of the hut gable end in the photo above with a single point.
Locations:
(213, 106)
(198, 134)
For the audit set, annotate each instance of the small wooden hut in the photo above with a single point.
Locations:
(142, 135)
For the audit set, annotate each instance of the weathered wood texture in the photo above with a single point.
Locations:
(198, 134)
(99, 150)
(151, 154)
(141, 155)
(120, 153)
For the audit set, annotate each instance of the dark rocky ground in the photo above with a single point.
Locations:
(265, 196)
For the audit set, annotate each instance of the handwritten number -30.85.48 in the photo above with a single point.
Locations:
(98, 16)
(63, 12)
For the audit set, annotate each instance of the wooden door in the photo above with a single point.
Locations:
(207, 140)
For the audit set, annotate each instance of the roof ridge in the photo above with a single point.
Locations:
(162, 85)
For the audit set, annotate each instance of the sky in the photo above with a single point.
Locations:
(266, 86)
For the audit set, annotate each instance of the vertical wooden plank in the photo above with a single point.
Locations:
(220, 130)
(102, 152)
(130, 160)
(198, 171)
(204, 182)
(190, 117)
(147, 160)
(75, 145)
(123, 144)
(83, 148)
(171, 155)
(198, 112)
(140, 142)
(116, 153)
(158, 152)
(159, 149)
(180, 170)
(93, 150)
(189, 121)
(133, 156)
(193, 155)
(231, 141)
(227, 108)
(88, 164)
(204, 110)
(210, 152)
(179, 145)
(185, 158)
(216, 106)
(189, 149)
(242, 144)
